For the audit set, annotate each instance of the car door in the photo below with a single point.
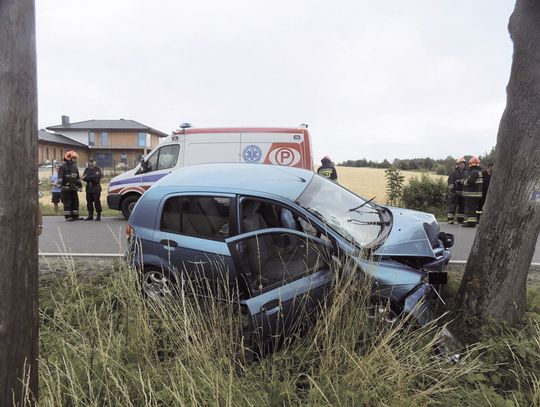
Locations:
(191, 236)
(286, 274)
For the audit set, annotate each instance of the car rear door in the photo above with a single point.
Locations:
(286, 273)
(191, 235)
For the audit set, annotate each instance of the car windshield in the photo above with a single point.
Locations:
(354, 218)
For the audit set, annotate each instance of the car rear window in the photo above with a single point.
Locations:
(200, 216)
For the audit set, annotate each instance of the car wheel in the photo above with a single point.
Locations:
(127, 205)
(157, 284)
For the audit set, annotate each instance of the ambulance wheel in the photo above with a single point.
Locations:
(127, 205)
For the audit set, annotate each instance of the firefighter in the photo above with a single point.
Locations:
(486, 178)
(92, 176)
(455, 188)
(472, 192)
(327, 169)
(70, 184)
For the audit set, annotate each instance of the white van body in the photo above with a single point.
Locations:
(277, 146)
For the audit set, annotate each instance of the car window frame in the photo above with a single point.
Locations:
(250, 293)
(232, 217)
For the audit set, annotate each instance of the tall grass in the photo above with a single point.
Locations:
(102, 344)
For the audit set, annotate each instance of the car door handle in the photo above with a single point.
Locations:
(167, 242)
(271, 306)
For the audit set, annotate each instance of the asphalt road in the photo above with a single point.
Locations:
(108, 237)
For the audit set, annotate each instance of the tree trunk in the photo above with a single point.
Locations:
(18, 204)
(495, 277)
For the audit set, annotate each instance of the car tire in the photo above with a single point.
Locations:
(157, 284)
(127, 205)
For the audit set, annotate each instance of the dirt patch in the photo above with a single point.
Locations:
(50, 267)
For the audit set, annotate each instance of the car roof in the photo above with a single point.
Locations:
(287, 182)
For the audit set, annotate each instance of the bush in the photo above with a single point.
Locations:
(425, 194)
(394, 185)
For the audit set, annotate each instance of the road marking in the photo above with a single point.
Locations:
(81, 254)
(465, 262)
(121, 255)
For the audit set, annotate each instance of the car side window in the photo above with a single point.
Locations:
(260, 214)
(168, 155)
(199, 216)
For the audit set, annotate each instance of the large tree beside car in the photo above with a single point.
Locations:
(18, 204)
(494, 284)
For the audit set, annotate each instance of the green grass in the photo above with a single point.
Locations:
(48, 208)
(101, 343)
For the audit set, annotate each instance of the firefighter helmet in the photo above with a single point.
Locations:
(461, 160)
(326, 158)
(70, 155)
(474, 161)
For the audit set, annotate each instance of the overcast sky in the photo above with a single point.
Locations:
(376, 79)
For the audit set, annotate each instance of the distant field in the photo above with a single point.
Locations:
(370, 182)
(366, 182)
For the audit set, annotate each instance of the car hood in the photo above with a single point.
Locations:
(413, 234)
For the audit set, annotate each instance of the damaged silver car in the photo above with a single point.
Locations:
(279, 234)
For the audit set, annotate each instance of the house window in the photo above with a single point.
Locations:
(61, 154)
(54, 153)
(141, 139)
(91, 138)
(47, 153)
(104, 139)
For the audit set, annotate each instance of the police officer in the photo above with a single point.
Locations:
(70, 184)
(472, 192)
(92, 176)
(455, 189)
(327, 169)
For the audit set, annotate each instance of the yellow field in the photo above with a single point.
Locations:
(366, 182)
(370, 182)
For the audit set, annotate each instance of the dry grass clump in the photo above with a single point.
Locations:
(102, 343)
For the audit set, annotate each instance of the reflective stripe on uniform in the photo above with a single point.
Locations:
(326, 173)
(472, 194)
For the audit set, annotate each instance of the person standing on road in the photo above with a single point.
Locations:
(327, 169)
(70, 184)
(56, 192)
(486, 175)
(455, 192)
(472, 192)
(92, 176)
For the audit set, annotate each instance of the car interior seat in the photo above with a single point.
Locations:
(269, 261)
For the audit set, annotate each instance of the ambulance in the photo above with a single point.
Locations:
(290, 147)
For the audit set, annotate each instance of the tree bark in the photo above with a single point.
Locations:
(18, 204)
(494, 284)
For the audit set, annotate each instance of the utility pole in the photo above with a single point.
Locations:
(18, 205)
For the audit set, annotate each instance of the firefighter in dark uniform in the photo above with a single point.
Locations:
(472, 192)
(455, 189)
(70, 184)
(92, 176)
(327, 169)
(486, 178)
